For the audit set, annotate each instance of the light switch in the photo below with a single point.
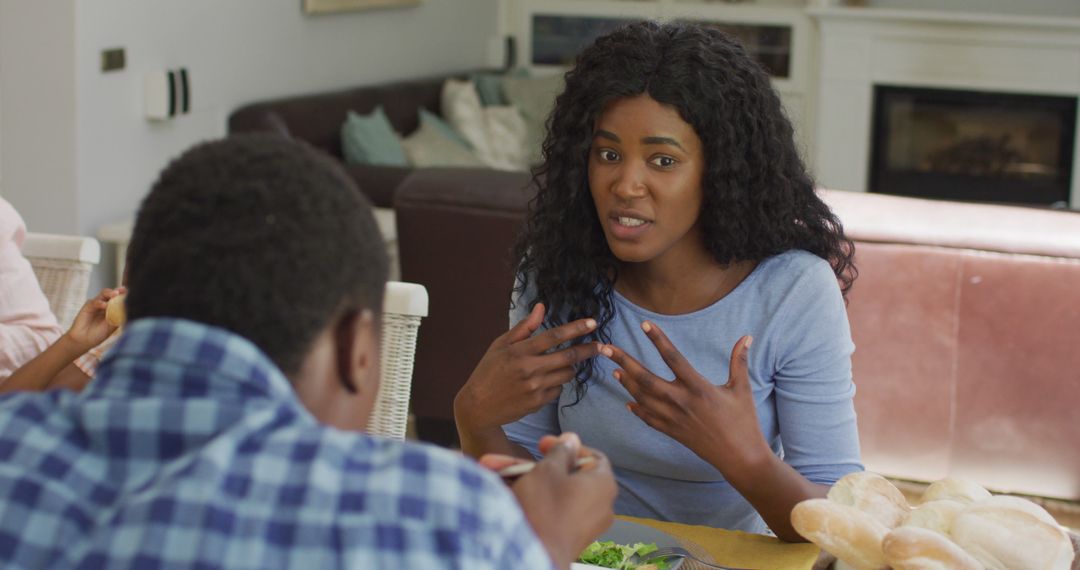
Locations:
(112, 59)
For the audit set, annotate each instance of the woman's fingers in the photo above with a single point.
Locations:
(739, 375)
(566, 359)
(643, 414)
(672, 356)
(561, 334)
(525, 327)
(637, 379)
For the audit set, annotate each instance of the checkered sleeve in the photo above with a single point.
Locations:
(511, 539)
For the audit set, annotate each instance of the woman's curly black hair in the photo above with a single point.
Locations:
(759, 199)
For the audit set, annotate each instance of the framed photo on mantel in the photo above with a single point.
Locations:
(331, 6)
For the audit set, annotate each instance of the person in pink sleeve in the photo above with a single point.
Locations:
(71, 362)
(27, 325)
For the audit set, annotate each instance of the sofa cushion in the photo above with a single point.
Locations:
(378, 183)
(430, 146)
(429, 118)
(489, 85)
(369, 139)
(496, 134)
(507, 134)
(534, 97)
(489, 88)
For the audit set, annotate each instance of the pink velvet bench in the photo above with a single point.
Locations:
(966, 321)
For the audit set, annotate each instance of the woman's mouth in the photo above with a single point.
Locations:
(629, 227)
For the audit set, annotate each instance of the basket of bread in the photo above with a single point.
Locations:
(867, 524)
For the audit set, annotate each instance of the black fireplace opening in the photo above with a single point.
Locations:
(973, 145)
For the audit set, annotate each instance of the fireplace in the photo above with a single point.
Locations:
(972, 145)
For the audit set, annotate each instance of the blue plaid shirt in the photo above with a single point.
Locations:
(191, 450)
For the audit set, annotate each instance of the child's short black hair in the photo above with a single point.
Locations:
(258, 234)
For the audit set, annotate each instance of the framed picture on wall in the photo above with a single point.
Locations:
(330, 6)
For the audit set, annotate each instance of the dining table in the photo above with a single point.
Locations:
(738, 549)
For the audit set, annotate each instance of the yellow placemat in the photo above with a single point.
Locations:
(740, 549)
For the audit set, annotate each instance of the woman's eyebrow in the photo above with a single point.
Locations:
(662, 140)
(606, 135)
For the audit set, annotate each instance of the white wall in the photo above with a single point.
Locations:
(37, 111)
(236, 51)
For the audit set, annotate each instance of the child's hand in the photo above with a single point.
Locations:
(90, 327)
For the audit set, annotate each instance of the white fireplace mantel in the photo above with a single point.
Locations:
(863, 47)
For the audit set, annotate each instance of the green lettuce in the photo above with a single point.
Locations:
(609, 554)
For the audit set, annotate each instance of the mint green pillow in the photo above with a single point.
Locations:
(489, 85)
(369, 139)
(435, 121)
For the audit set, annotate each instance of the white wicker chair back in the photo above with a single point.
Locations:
(62, 264)
(405, 304)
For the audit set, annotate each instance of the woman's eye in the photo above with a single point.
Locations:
(664, 161)
(608, 155)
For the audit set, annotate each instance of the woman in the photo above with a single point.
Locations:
(674, 226)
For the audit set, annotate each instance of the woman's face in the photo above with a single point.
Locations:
(645, 169)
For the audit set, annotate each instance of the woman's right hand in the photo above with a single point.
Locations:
(520, 373)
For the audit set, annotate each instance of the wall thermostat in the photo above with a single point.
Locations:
(167, 94)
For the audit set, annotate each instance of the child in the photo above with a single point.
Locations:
(221, 430)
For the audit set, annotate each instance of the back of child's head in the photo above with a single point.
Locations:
(259, 235)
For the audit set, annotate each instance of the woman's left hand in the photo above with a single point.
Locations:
(718, 423)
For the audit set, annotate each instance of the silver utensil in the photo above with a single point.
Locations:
(677, 552)
(519, 469)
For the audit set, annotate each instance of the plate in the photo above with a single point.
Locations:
(626, 532)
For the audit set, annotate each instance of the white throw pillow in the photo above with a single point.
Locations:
(535, 97)
(507, 133)
(429, 147)
(496, 134)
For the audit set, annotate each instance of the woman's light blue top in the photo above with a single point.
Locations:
(800, 370)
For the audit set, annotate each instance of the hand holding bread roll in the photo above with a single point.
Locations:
(914, 548)
(115, 314)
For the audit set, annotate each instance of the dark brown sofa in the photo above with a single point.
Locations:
(455, 229)
(966, 320)
(317, 119)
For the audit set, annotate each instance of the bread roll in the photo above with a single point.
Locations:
(1020, 504)
(847, 533)
(872, 494)
(115, 314)
(956, 489)
(914, 548)
(1004, 538)
(936, 515)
